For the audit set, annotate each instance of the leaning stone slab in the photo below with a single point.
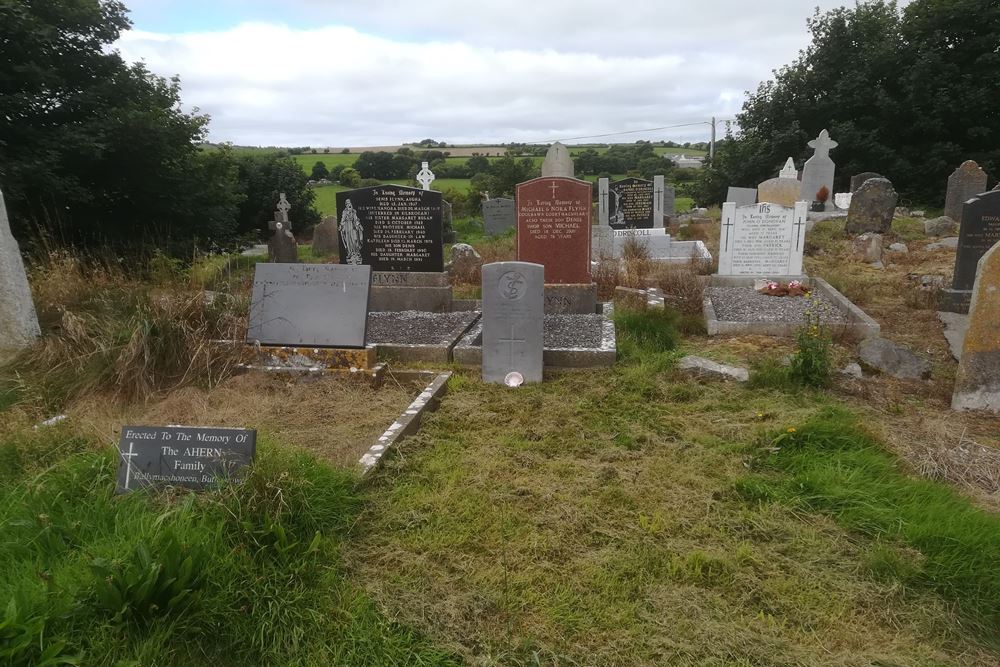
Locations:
(18, 321)
(967, 181)
(892, 359)
(977, 386)
(940, 226)
(702, 367)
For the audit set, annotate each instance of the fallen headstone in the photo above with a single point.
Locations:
(702, 367)
(940, 226)
(892, 359)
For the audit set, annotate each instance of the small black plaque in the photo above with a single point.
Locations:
(631, 204)
(195, 457)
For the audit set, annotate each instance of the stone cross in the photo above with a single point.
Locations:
(819, 170)
(821, 145)
(425, 176)
(281, 212)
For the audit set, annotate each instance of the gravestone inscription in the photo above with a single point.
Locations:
(763, 240)
(499, 215)
(553, 227)
(630, 204)
(391, 228)
(314, 305)
(513, 321)
(194, 457)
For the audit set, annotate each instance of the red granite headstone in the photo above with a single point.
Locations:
(553, 227)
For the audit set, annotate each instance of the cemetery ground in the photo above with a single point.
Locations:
(623, 516)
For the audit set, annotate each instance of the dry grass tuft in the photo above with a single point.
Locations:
(681, 285)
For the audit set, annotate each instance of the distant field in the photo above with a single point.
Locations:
(331, 160)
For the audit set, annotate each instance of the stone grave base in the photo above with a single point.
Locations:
(413, 335)
(579, 299)
(398, 291)
(278, 358)
(955, 301)
(571, 341)
(845, 318)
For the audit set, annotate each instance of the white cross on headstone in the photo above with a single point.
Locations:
(425, 176)
(282, 209)
(554, 187)
(789, 170)
(128, 463)
(823, 143)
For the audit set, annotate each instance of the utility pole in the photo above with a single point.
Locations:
(711, 145)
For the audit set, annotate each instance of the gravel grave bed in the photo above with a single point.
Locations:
(745, 304)
(414, 327)
(564, 331)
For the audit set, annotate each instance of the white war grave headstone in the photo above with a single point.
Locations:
(425, 176)
(513, 322)
(819, 170)
(762, 240)
(18, 321)
(558, 162)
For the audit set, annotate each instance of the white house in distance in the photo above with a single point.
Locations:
(684, 162)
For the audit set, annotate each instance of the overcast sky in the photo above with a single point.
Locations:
(375, 72)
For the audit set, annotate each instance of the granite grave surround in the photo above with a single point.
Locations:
(610, 243)
(413, 335)
(411, 290)
(979, 231)
(757, 314)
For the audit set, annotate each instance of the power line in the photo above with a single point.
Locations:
(615, 134)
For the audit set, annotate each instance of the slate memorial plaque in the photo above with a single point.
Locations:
(630, 204)
(762, 240)
(513, 320)
(553, 227)
(195, 457)
(979, 232)
(391, 228)
(499, 215)
(309, 305)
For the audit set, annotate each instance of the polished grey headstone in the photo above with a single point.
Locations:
(309, 305)
(513, 320)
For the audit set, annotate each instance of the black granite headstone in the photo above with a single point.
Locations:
(979, 232)
(391, 228)
(630, 205)
(195, 457)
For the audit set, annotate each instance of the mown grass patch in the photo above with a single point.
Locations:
(925, 534)
(245, 575)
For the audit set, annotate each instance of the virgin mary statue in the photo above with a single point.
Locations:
(351, 233)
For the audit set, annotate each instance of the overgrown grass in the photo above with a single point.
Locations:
(647, 332)
(924, 534)
(245, 575)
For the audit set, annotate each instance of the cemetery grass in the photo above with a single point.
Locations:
(632, 516)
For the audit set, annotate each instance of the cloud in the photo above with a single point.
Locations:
(372, 74)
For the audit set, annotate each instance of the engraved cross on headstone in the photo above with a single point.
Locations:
(554, 187)
(510, 346)
(822, 144)
(425, 176)
(727, 225)
(799, 222)
(789, 170)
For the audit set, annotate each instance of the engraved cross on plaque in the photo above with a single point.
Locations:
(510, 346)
(128, 462)
(554, 187)
(729, 223)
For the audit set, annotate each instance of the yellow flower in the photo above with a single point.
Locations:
(791, 430)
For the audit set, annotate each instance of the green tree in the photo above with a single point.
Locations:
(262, 178)
(477, 164)
(94, 151)
(350, 177)
(507, 172)
(319, 171)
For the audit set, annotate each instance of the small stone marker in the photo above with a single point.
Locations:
(977, 386)
(763, 240)
(326, 240)
(630, 204)
(282, 246)
(194, 457)
(391, 228)
(964, 183)
(842, 200)
(742, 196)
(312, 305)
(819, 170)
(872, 207)
(425, 176)
(783, 190)
(499, 215)
(859, 179)
(558, 162)
(18, 320)
(553, 227)
(513, 321)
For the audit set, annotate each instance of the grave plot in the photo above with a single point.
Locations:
(570, 341)
(733, 305)
(413, 335)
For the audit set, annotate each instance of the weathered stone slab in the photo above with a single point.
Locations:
(499, 215)
(819, 170)
(892, 359)
(859, 179)
(763, 240)
(706, 368)
(967, 181)
(977, 386)
(326, 240)
(18, 320)
(553, 227)
(409, 279)
(513, 321)
(313, 305)
(391, 228)
(872, 207)
(194, 457)
(558, 162)
(742, 196)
